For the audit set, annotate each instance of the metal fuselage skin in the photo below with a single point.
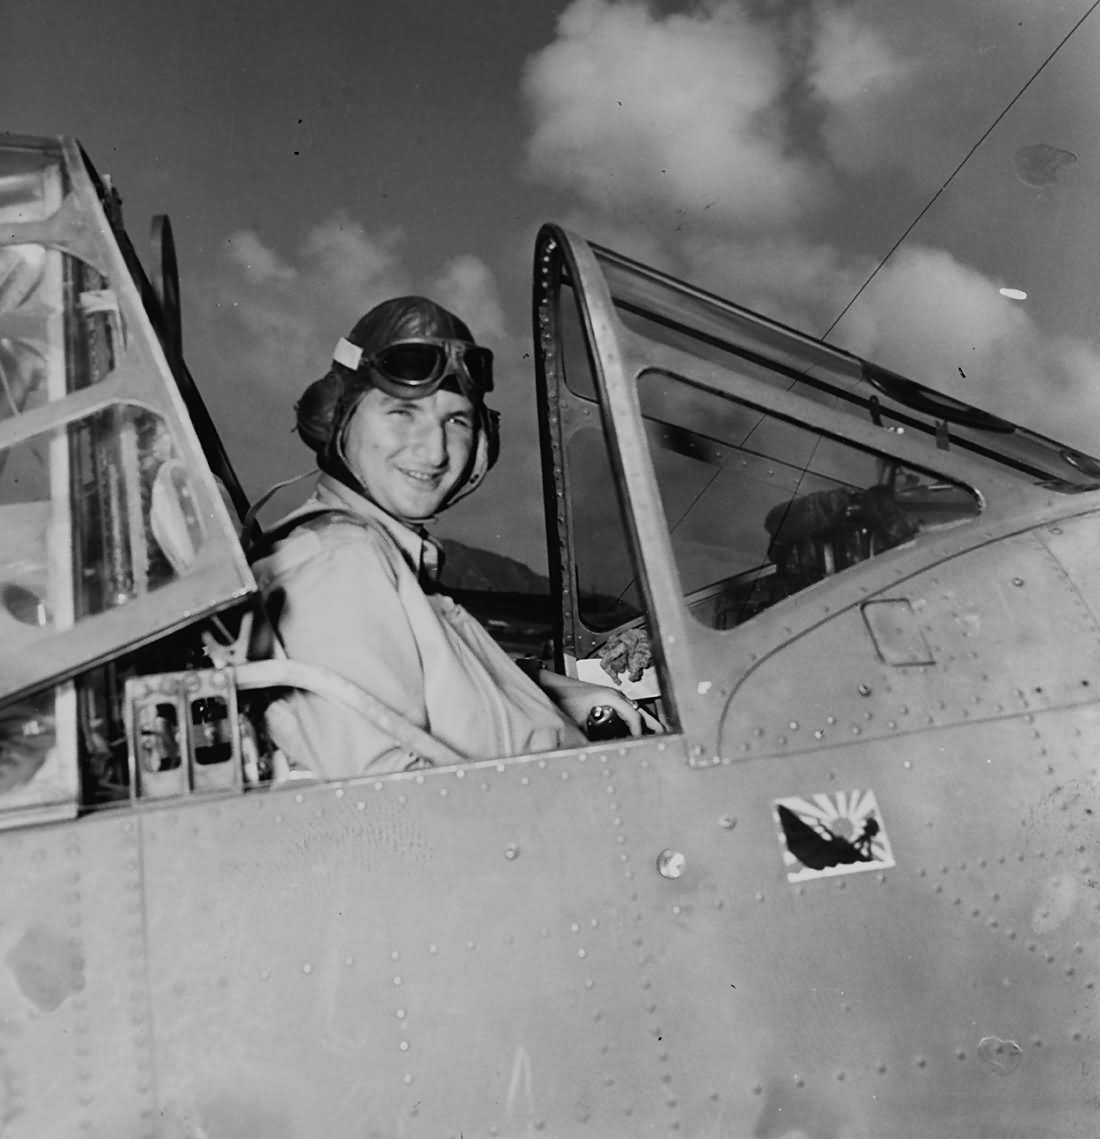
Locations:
(493, 949)
(614, 941)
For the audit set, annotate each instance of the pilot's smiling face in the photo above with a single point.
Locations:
(408, 453)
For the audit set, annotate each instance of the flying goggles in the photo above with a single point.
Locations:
(416, 367)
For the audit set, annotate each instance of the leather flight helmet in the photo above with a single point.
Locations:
(362, 360)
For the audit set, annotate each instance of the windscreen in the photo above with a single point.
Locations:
(759, 508)
(671, 313)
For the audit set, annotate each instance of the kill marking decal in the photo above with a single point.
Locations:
(832, 833)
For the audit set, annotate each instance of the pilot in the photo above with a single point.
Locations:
(401, 432)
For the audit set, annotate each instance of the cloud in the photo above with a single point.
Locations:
(343, 260)
(927, 315)
(271, 319)
(466, 286)
(912, 87)
(944, 324)
(260, 264)
(632, 110)
(851, 59)
(707, 143)
(278, 317)
(860, 81)
(792, 279)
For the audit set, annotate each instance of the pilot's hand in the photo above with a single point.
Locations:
(576, 699)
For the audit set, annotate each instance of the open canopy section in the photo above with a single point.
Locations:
(112, 527)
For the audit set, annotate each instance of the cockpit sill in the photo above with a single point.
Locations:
(558, 763)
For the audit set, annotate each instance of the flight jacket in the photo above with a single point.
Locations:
(343, 588)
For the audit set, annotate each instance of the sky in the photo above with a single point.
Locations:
(318, 158)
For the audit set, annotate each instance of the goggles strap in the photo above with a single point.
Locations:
(348, 354)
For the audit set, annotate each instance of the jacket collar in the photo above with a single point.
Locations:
(423, 553)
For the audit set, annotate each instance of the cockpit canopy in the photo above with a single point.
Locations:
(113, 530)
(777, 460)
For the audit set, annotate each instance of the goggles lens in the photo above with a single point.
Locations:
(418, 363)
